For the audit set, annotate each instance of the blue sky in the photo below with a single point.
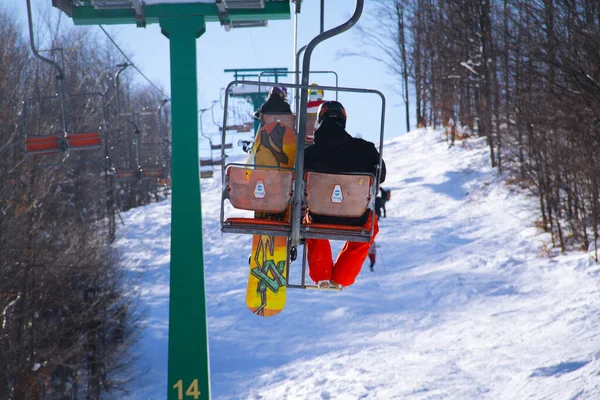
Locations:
(268, 48)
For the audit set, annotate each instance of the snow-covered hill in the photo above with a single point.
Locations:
(463, 303)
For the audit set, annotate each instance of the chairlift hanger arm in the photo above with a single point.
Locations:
(159, 112)
(136, 132)
(61, 75)
(297, 76)
(122, 67)
(297, 206)
(202, 111)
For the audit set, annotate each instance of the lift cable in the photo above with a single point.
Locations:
(132, 64)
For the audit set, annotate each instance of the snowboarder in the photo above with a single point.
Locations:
(315, 99)
(336, 151)
(381, 200)
(275, 103)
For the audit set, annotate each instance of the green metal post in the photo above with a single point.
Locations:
(189, 372)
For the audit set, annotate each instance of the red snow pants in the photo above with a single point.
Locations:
(348, 264)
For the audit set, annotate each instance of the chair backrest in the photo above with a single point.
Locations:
(127, 174)
(42, 144)
(259, 189)
(220, 146)
(153, 172)
(207, 162)
(288, 119)
(84, 141)
(58, 143)
(338, 195)
(207, 174)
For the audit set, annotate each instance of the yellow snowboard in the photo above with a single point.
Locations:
(274, 145)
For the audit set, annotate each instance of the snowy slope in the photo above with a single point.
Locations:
(463, 303)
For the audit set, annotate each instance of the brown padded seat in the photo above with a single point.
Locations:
(338, 195)
(266, 190)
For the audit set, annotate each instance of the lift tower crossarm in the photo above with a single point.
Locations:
(89, 15)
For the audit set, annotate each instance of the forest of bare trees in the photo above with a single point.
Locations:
(67, 312)
(524, 74)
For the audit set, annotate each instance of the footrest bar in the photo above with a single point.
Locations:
(256, 230)
(329, 288)
(318, 233)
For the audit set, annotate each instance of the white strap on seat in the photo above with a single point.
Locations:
(267, 190)
(338, 195)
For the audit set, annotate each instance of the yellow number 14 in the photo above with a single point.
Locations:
(192, 391)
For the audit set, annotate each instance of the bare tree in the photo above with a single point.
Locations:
(65, 326)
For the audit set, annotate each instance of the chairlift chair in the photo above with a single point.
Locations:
(340, 195)
(140, 171)
(66, 140)
(211, 162)
(124, 174)
(36, 144)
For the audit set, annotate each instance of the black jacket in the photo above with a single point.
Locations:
(335, 151)
(274, 104)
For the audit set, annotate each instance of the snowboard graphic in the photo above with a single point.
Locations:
(274, 145)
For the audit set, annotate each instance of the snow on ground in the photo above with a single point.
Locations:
(463, 302)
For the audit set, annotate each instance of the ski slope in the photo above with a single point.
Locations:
(464, 302)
